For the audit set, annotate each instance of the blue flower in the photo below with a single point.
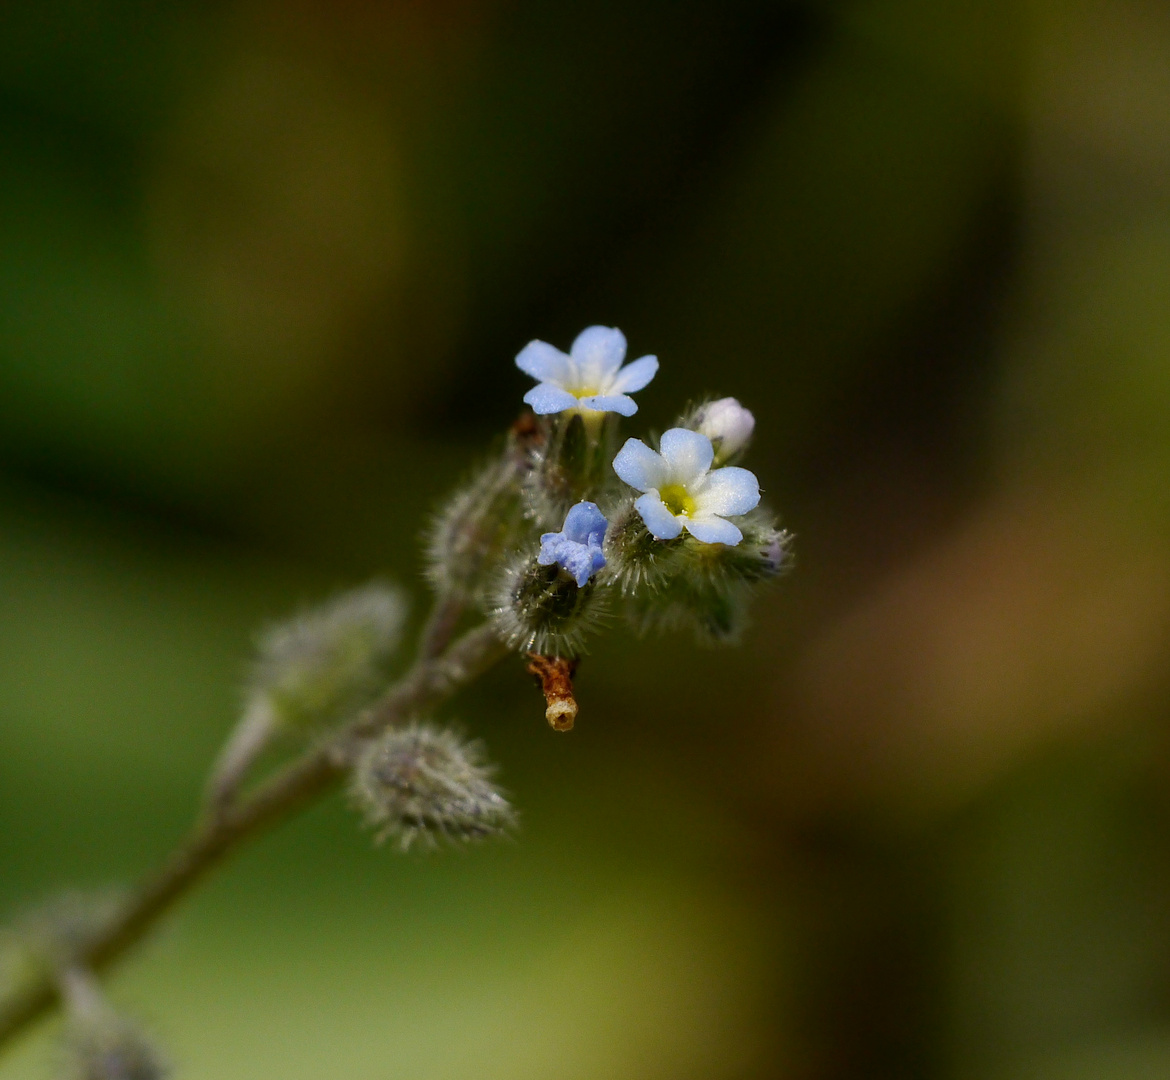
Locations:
(590, 377)
(577, 547)
(682, 491)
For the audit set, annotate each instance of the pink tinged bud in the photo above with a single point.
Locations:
(728, 425)
(774, 554)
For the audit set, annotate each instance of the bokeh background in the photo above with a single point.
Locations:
(264, 265)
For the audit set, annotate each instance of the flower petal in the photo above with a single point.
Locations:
(688, 454)
(544, 363)
(577, 559)
(663, 525)
(617, 403)
(714, 530)
(584, 523)
(546, 398)
(598, 352)
(584, 564)
(634, 376)
(639, 466)
(548, 544)
(729, 491)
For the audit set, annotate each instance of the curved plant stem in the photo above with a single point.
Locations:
(440, 627)
(247, 742)
(429, 682)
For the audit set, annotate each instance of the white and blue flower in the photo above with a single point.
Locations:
(577, 547)
(682, 491)
(590, 377)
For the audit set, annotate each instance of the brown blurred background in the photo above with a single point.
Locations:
(263, 269)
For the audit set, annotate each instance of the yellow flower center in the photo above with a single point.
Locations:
(676, 499)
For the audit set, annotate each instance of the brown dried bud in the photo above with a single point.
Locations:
(556, 681)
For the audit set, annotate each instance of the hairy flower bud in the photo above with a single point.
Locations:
(100, 1044)
(425, 783)
(708, 587)
(325, 664)
(715, 611)
(571, 465)
(727, 424)
(638, 561)
(483, 520)
(46, 944)
(111, 1049)
(47, 937)
(543, 609)
(762, 554)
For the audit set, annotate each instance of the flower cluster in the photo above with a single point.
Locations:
(563, 527)
(671, 532)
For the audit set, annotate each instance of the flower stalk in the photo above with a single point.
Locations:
(306, 779)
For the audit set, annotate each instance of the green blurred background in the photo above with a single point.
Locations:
(263, 269)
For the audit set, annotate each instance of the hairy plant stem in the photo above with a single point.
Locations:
(247, 742)
(440, 627)
(429, 682)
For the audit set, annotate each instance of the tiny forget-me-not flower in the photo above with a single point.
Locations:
(682, 491)
(589, 377)
(577, 547)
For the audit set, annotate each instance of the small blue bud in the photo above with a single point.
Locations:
(577, 547)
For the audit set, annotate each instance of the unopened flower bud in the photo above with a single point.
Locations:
(425, 783)
(101, 1044)
(481, 521)
(325, 664)
(709, 586)
(774, 552)
(543, 609)
(727, 424)
(763, 553)
(112, 1051)
(637, 560)
(47, 937)
(571, 465)
(713, 608)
